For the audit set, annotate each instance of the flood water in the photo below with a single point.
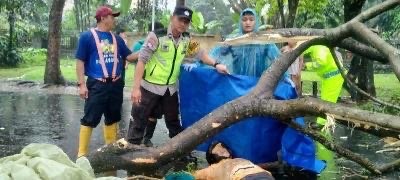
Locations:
(27, 117)
(35, 117)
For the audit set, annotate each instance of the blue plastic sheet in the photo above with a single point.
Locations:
(257, 139)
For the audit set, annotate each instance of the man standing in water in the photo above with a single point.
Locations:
(157, 72)
(100, 56)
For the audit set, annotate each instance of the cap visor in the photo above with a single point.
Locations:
(184, 17)
(116, 14)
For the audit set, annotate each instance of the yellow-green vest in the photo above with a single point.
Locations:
(164, 65)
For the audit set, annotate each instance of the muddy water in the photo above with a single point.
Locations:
(40, 117)
(27, 117)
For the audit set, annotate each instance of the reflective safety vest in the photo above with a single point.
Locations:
(322, 61)
(164, 65)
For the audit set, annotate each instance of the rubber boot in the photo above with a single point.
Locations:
(110, 136)
(85, 133)
(110, 133)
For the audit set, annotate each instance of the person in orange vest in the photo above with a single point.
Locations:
(100, 56)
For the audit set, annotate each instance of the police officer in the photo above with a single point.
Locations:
(157, 72)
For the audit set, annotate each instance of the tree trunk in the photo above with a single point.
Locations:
(9, 61)
(52, 73)
(360, 69)
(292, 4)
(77, 15)
(352, 8)
(280, 7)
(81, 18)
(180, 2)
(366, 78)
(88, 17)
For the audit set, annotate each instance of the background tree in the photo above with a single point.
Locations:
(52, 74)
(180, 2)
(361, 70)
(217, 18)
(24, 18)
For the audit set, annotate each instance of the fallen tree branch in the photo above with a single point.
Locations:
(362, 50)
(146, 159)
(337, 148)
(376, 10)
(361, 32)
(270, 78)
(390, 166)
(141, 178)
(354, 86)
(315, 107)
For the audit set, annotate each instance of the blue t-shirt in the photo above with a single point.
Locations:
(87, 52)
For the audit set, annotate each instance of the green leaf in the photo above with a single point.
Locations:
(213, 24)
(197, 20)
(165, 19)
(125, 4)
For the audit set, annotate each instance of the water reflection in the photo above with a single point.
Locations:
(27, 117)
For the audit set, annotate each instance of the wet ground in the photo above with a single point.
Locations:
(40, 116)
(27, 117)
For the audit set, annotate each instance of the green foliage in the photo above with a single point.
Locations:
(319, 14)
(191, 167)
(9, 57)
(124, 7)
(198, 22)
(217, 17)
(389, 23)
(69, 21)
(164, 19)
(34, 57)
(24, 19)
(370, 106)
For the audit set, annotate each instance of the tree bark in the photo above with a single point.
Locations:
(292, 6)
(280, 7)
(361, 68)
(235, 6)
(352, 8)
(9, 61)
(52, 73)
(180, 2)
(77, 16)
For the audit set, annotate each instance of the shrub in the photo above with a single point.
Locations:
(34, 57)
(8, 57)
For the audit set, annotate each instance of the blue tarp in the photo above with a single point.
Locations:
(257, 139)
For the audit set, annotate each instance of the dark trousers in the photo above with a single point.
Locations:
(150, 128)
(141, 113)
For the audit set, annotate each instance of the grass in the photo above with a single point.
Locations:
(35, 73)
(387, 85)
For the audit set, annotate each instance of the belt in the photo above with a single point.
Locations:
(331, 74)
(108, 79)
